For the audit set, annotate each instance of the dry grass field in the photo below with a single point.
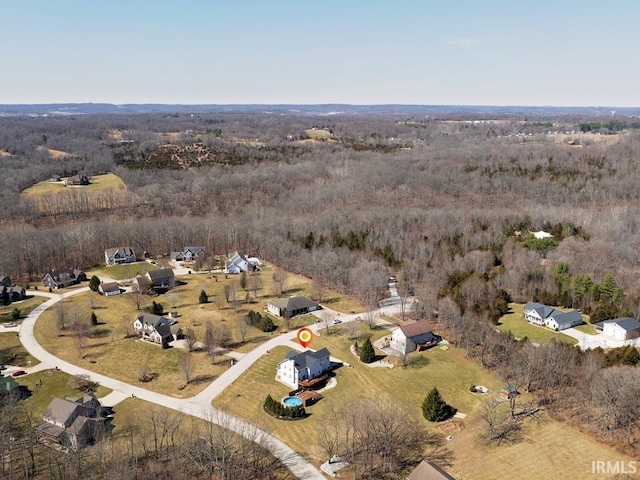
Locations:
(108, 181)
(53, 153)
(109, 348)
(25, 306)
(318, 134)
(12, 352)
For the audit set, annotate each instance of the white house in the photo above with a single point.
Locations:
(411, 336)
(292, 306)
(237, 263)
(189, 254)
(620, 328)
(545, 316)
(118, 255)
(303, 366)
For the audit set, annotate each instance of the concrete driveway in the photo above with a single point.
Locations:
(586, 341)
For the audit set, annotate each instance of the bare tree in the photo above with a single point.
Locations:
(144, 373)
(190, 339)
(279, 280)
(185, 365)
(254, 285)
(242, 327)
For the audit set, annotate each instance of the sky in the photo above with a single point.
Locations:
(427, 52)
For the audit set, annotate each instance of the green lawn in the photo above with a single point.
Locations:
(124, 271)
(12, 352)
(514, 323)
(47, 384)
(407, 387)
(587, 328)
(25, 306)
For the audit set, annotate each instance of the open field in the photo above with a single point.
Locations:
(53, 153)
(98, 183)
(514, 323)
(318, 134)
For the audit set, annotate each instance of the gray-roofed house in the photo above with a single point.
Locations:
(108, 289)
(545, 316)
(64, 278)
(189, 254)
(624, 328)
(156, 329)
(410, 337)
(140, 284)
(427, 470)
(292, 306)
(236, 263)
(119, 255)
(73, 424)
(303, 366)
(161, 278)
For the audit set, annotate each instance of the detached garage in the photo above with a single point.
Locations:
(620, 328)
(109, 288)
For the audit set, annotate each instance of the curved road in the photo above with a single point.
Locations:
(199, 405)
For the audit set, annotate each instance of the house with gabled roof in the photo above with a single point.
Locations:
(119, 255)
(188, 254)
(292, 306)
(64, 278)
(412, 336)
(156, 329)
(625, 328)
(74, 424)
(108, 289)
(297, 367)
(427, 470)
(545, 316)
(161, 278)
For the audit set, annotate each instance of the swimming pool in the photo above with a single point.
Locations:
(292, 402)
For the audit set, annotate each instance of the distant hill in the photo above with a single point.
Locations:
(60, 109)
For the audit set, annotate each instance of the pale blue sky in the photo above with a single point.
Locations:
(479, 52)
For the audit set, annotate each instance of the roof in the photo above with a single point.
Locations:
(152, 319)
(163, 329)
(160, 274)
(7, 384)
(427, 470)
(110, 286)
(543, 311)
(295, 303)
(60, 410)
(626, 323)
(124, 250)
(307, 358)
(415, 329)
(567, 317)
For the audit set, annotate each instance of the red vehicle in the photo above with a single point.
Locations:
(17, 373)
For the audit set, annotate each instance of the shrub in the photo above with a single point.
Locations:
(155, 308)
(15, 313)
(367, 354)
(204, 298)
(435, 409)
(277, 409)
(94, 283)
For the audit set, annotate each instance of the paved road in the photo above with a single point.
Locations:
(198, 405)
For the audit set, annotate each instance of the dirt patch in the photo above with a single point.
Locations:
(54, 153)
(450, 426)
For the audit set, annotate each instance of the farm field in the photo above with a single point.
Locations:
(514, 323)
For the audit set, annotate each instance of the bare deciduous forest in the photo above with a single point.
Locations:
(444, 204)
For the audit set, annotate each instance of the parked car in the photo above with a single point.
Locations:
(17, 373)
(2, 367)
(337, 321)
(9, 325)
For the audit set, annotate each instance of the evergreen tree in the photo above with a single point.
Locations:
(435, 409)
(204, 298)
(156, 308)
(94, 319)
(94, 283)
(367, 354)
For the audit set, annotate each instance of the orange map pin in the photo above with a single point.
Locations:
(305, 336)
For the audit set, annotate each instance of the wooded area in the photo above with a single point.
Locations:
(445, 204)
